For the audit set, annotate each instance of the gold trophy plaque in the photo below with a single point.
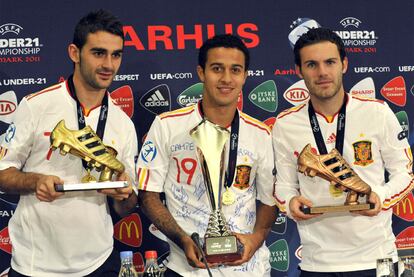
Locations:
(220, 245)
(86, 145)
(334, 168)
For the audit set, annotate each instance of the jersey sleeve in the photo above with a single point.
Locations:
(153, 159)
(397, 157)
(264, 175)
(287, 183)
(18, 140)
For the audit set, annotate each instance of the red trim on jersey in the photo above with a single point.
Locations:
(49, 153)
(256, 125)
(397, 195)
(30, 96)
(178, 169)
(178, 114)
(287, 112)
(280, 201)
(146, 179)
(333, 117)
(368, 99)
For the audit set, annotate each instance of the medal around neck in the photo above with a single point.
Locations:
(335, 169)
(220, 245)
(86, 145)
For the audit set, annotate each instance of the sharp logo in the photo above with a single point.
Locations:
(405, 208)
(129, 230)
(124, 98)
(5, 243)
(405, 125)
(395, 91)
(279, 255)
(157, 100)
(405, 239)
(265, 96)
(365, 88)
(191, 95)
(279, 226)
(297, 93)
(299, 27)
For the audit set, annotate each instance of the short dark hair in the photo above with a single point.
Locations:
(317, 35)
(100, 20)
(226, 41)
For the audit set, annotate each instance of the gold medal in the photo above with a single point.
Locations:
(88, 178)
(228, 197)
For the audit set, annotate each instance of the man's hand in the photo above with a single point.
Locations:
(45, 187)
(373, 198)
(120, 193)
(296, 203)
(250, 242)
(192, 253)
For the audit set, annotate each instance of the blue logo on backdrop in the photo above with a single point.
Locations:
(11, 131)
(148, 152)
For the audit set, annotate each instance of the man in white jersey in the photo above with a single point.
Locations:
(368, 136)
(71, 233)
(168, 163)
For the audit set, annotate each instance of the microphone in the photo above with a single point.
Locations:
(196, 238)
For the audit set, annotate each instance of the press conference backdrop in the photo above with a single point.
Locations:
(158, 74)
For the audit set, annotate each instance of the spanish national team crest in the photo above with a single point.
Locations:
(242, 176)
(362, 153)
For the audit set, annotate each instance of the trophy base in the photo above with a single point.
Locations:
(222, 249)
(336, 209)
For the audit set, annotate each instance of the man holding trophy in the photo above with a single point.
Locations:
(194, 155)
(331, 155)
(70, 233)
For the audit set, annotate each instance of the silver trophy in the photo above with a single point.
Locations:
(220, 245)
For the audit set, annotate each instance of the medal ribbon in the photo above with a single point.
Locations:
(103, 115)
(340, 129)
(234, 141)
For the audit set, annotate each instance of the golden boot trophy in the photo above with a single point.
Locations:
(333, 168)
(86, 145)
(220, 245)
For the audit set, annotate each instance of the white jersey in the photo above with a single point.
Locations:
(168, 163)
(373, 143)
(72, 235)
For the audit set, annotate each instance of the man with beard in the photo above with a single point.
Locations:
(368, 140)
(70, 234)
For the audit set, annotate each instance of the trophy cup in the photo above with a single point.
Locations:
(86, 145)
(333, 168)
(220, 245)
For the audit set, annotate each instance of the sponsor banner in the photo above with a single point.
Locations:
(297, 93)
(395, 91)
(405, 208)
(279, 255)
(190, 95)
(364, 88)
(138, 261)
(298, 252)
(17, 46)
(279, 226)
(406, 68)
(405, 239)
(299, 27)
(356, 37)
(23, 81)
(129, 230)
(123, 97)
(156, 232)
(157, 100)
(402, 117)
(265, 96)
(5, 243)
(8, 105)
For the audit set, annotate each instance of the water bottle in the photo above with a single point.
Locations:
(151, 266)
(127, 267)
